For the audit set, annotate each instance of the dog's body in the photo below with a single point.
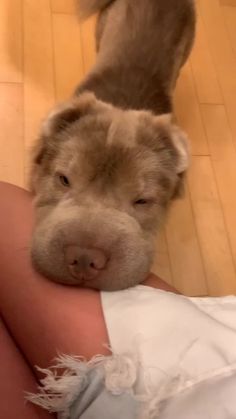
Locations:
(108, 162)
(141, 45)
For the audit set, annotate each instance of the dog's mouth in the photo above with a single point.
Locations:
(79, 257)
(117, 274)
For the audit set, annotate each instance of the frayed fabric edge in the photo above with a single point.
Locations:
(57, 392)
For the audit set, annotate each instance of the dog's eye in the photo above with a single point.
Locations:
(63, 180)
(141, 201)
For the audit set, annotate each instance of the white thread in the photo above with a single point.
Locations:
(121, 373)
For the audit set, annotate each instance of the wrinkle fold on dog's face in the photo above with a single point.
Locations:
(103, 179)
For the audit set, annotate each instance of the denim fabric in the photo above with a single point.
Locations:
(96, 402)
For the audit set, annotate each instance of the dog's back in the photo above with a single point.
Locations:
(142, 46)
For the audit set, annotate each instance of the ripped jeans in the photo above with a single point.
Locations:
(101, 388)
(173, 357)
(104, 388)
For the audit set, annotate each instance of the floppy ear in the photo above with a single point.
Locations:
(179, 140)
(180, 144)
(67, 113)
(57, 121)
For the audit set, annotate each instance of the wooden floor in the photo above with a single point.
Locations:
(44, 53)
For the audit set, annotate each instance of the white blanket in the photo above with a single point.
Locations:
(185, 349)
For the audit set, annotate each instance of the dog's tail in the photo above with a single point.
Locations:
(89, 7)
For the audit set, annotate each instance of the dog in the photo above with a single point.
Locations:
(109, 161)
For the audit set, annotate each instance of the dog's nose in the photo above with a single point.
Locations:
(85, 263)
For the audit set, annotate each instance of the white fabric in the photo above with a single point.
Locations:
(186, 348)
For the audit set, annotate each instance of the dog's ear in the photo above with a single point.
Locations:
(179, 146)
(179, 141)
(57, 121)
(67, 113)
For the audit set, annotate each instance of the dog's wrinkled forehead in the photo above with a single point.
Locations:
(107, 148)
(97, 141)
(107, 126)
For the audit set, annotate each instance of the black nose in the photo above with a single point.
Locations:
(85, 263)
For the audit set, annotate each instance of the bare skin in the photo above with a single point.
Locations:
(39, 318)
(16, 378)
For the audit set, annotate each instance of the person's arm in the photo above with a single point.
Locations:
(44, 318)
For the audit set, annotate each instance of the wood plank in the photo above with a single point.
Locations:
(11, 134)
(63, 6)
(224, 163)
(228, 2)
(69, 68)
(39, 94)
(223, 55)
(204, 72)
(213, 238)
(11, 41)
(161, 266)
(185, 257)
(188, 112)
(229, 14)
(88, 43)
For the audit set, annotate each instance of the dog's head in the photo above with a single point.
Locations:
(103, 179)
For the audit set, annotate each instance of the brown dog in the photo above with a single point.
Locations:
(109, 161)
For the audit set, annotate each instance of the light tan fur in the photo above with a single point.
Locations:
(109, 161)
